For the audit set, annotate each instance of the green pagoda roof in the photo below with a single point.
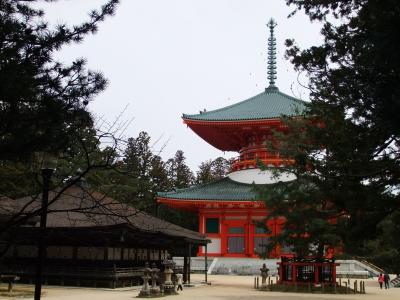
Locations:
(222, 189)
(270, 104)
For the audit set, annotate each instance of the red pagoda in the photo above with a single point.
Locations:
(229, 209)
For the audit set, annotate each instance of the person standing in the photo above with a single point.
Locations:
(381, 280)
(386, 278)
(179, 281)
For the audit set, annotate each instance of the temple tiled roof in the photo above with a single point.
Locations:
(270, 104)
(80, 207)
(224, 189)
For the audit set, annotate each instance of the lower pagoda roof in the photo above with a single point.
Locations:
(224, 189)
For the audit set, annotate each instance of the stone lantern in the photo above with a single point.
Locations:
(145, 291)
(154, 290)
(169, 288)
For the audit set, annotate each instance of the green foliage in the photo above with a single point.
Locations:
(180, 174)
(137, 166)
(384, 249)
(18, 179)
(211, 170)
(133, 176)
(43, 109)
(23, 177)
(347, 145)
(204, 174)
(42, 101)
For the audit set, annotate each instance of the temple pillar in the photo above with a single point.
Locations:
(201, 223)
(249, 235)
(202, 231)
(185, 269)
(205, 263)
(189, 262)
(223, 234)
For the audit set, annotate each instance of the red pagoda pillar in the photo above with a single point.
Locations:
(223, 235)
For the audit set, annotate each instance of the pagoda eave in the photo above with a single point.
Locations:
(195, 205)
(257, 122)
(231, 135)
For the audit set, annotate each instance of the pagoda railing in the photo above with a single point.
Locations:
(242, 163)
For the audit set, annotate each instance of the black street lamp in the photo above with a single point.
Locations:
(48, 167)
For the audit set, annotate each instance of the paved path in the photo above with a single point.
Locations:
(222, 288)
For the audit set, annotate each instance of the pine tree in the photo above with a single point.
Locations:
(211, 170)
(138, 164)
(180, 174)
(42, 101)
(159, 176)
(347, 145)
(204, 174)
(220, 168)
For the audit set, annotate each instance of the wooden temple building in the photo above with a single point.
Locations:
(229, 209)
(91, 239)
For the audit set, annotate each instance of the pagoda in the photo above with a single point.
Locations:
(230, 209)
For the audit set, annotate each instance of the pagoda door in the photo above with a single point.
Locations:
(235, 238)
(236, 245)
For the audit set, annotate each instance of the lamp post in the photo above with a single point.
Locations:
(48, 167)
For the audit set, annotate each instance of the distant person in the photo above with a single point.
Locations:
(381, 280)
(179, 281)
(386, 278)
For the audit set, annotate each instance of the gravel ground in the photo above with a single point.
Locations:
(222, 287)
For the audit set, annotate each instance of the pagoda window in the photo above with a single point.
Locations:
(212, 225)
(261, 244)
(236, 230)
(260, 230)
(236, 244)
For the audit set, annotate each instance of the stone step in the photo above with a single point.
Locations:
(244, 266)
(352, 268)
(197, 264)
(251, 266)
(395, 282)
(224, 265)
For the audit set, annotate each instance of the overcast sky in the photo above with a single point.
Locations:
(167, 57)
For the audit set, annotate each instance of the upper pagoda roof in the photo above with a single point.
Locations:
(270, 104)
